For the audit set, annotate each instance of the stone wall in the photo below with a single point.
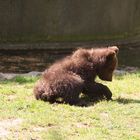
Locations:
(37, 57)
(25, 22)
(68, 20)
(22, 61)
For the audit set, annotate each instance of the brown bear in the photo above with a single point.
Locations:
(76, 74)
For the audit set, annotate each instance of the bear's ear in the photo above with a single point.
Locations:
(110, 55)
(114, 48)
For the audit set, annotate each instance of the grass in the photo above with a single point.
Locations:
(23, 117)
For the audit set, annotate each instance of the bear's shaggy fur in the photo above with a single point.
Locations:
(76, 74)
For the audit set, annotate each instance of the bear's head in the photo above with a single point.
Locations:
(106, 62)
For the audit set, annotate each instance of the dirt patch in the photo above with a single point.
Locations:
(5, 126)
(12, 97)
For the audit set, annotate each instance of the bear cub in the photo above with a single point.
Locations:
(76, 74)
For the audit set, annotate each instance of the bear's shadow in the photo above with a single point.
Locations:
(85, 102)
(126, 100)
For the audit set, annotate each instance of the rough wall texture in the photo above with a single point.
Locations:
(30, 59)
(68, 20)
(36, 21)
(22, 61)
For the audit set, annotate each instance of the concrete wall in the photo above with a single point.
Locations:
(68, 20)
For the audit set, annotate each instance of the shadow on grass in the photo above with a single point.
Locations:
(126, 101)
(87, 102)
(83, 102)
(55, 135)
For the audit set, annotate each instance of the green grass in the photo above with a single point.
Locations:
(23, 117)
